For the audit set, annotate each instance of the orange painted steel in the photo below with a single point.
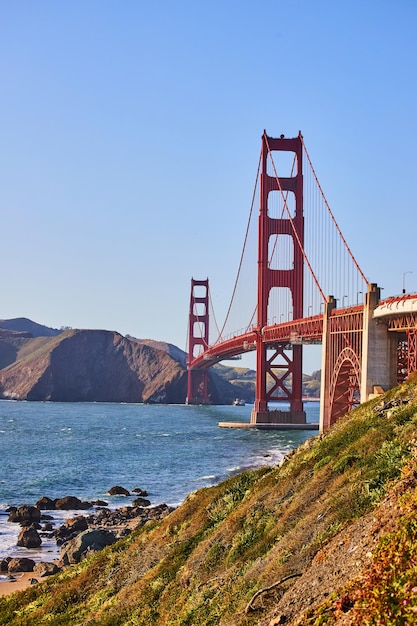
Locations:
(198, 392)
(343, 361)
(292, 279)
(406, 323)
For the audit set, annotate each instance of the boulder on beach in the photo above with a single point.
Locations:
(4, 564)
(24, 514)
(141, 502)
(70, 529)
(86, 542)
(29, 538)
(76, 524)
(21, 564)
(118, 491)
(45, 504)
(45, 568)
(69, 503)
(100, 503)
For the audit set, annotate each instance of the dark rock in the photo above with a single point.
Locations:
(21, 565)
(44, 517)
(88, 541)
(118, 491)
(160, 511)
(4, 564)
(141, 502)
(71, 503)
(33, 581)
(29, 538)
(76, 524)
(45, 568)
(72, 527)
(48, 527)
(24, 514)
(140, 492)
(45, 504)
(100, 503)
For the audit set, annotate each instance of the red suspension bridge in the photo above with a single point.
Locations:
(308, 288)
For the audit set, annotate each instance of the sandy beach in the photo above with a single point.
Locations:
(22, 582)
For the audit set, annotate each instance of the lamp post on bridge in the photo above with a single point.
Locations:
(404, 274)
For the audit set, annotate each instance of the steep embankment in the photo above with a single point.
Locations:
(329, 537)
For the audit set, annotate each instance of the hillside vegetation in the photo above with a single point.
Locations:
(328, 537)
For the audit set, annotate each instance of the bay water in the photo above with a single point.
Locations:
(83, 449)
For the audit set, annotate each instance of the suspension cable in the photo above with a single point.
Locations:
(292, 222)
(243, 250)
(212, 310)
(331, 214)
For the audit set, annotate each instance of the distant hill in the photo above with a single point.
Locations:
(24, 324)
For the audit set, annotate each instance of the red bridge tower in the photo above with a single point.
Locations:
(198, 337)
(284, 366)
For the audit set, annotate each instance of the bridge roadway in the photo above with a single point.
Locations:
(398, 314)
(306, 330)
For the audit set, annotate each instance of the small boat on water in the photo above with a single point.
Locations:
(238, 402)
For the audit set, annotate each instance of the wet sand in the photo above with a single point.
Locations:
(21, 582)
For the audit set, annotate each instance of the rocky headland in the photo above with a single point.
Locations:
(38, 363)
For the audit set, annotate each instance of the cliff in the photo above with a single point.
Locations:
(92, 365)
(327, 537)
(39, 363)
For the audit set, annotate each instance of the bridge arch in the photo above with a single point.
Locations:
(344, 384)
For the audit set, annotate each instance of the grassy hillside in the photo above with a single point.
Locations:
(329, 537)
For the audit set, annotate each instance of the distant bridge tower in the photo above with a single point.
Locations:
(284, 367)
(198, 338)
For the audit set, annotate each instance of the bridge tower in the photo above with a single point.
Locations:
(284, 366)
(198, 341)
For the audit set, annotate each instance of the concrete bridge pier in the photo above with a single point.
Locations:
(379, 349)
(325, 405)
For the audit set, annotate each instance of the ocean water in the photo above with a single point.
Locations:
(83, 449)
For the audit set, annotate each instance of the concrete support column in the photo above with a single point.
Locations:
(379, 349)
(325, 366)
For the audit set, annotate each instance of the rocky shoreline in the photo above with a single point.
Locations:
(92, 527)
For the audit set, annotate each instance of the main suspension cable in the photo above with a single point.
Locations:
(292, 221)
(243, 251)
(331, 213)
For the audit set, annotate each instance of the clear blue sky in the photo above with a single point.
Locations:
(130, 135)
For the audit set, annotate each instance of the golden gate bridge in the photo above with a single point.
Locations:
(304, 287)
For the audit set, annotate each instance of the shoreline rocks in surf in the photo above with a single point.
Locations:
(79, 535)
